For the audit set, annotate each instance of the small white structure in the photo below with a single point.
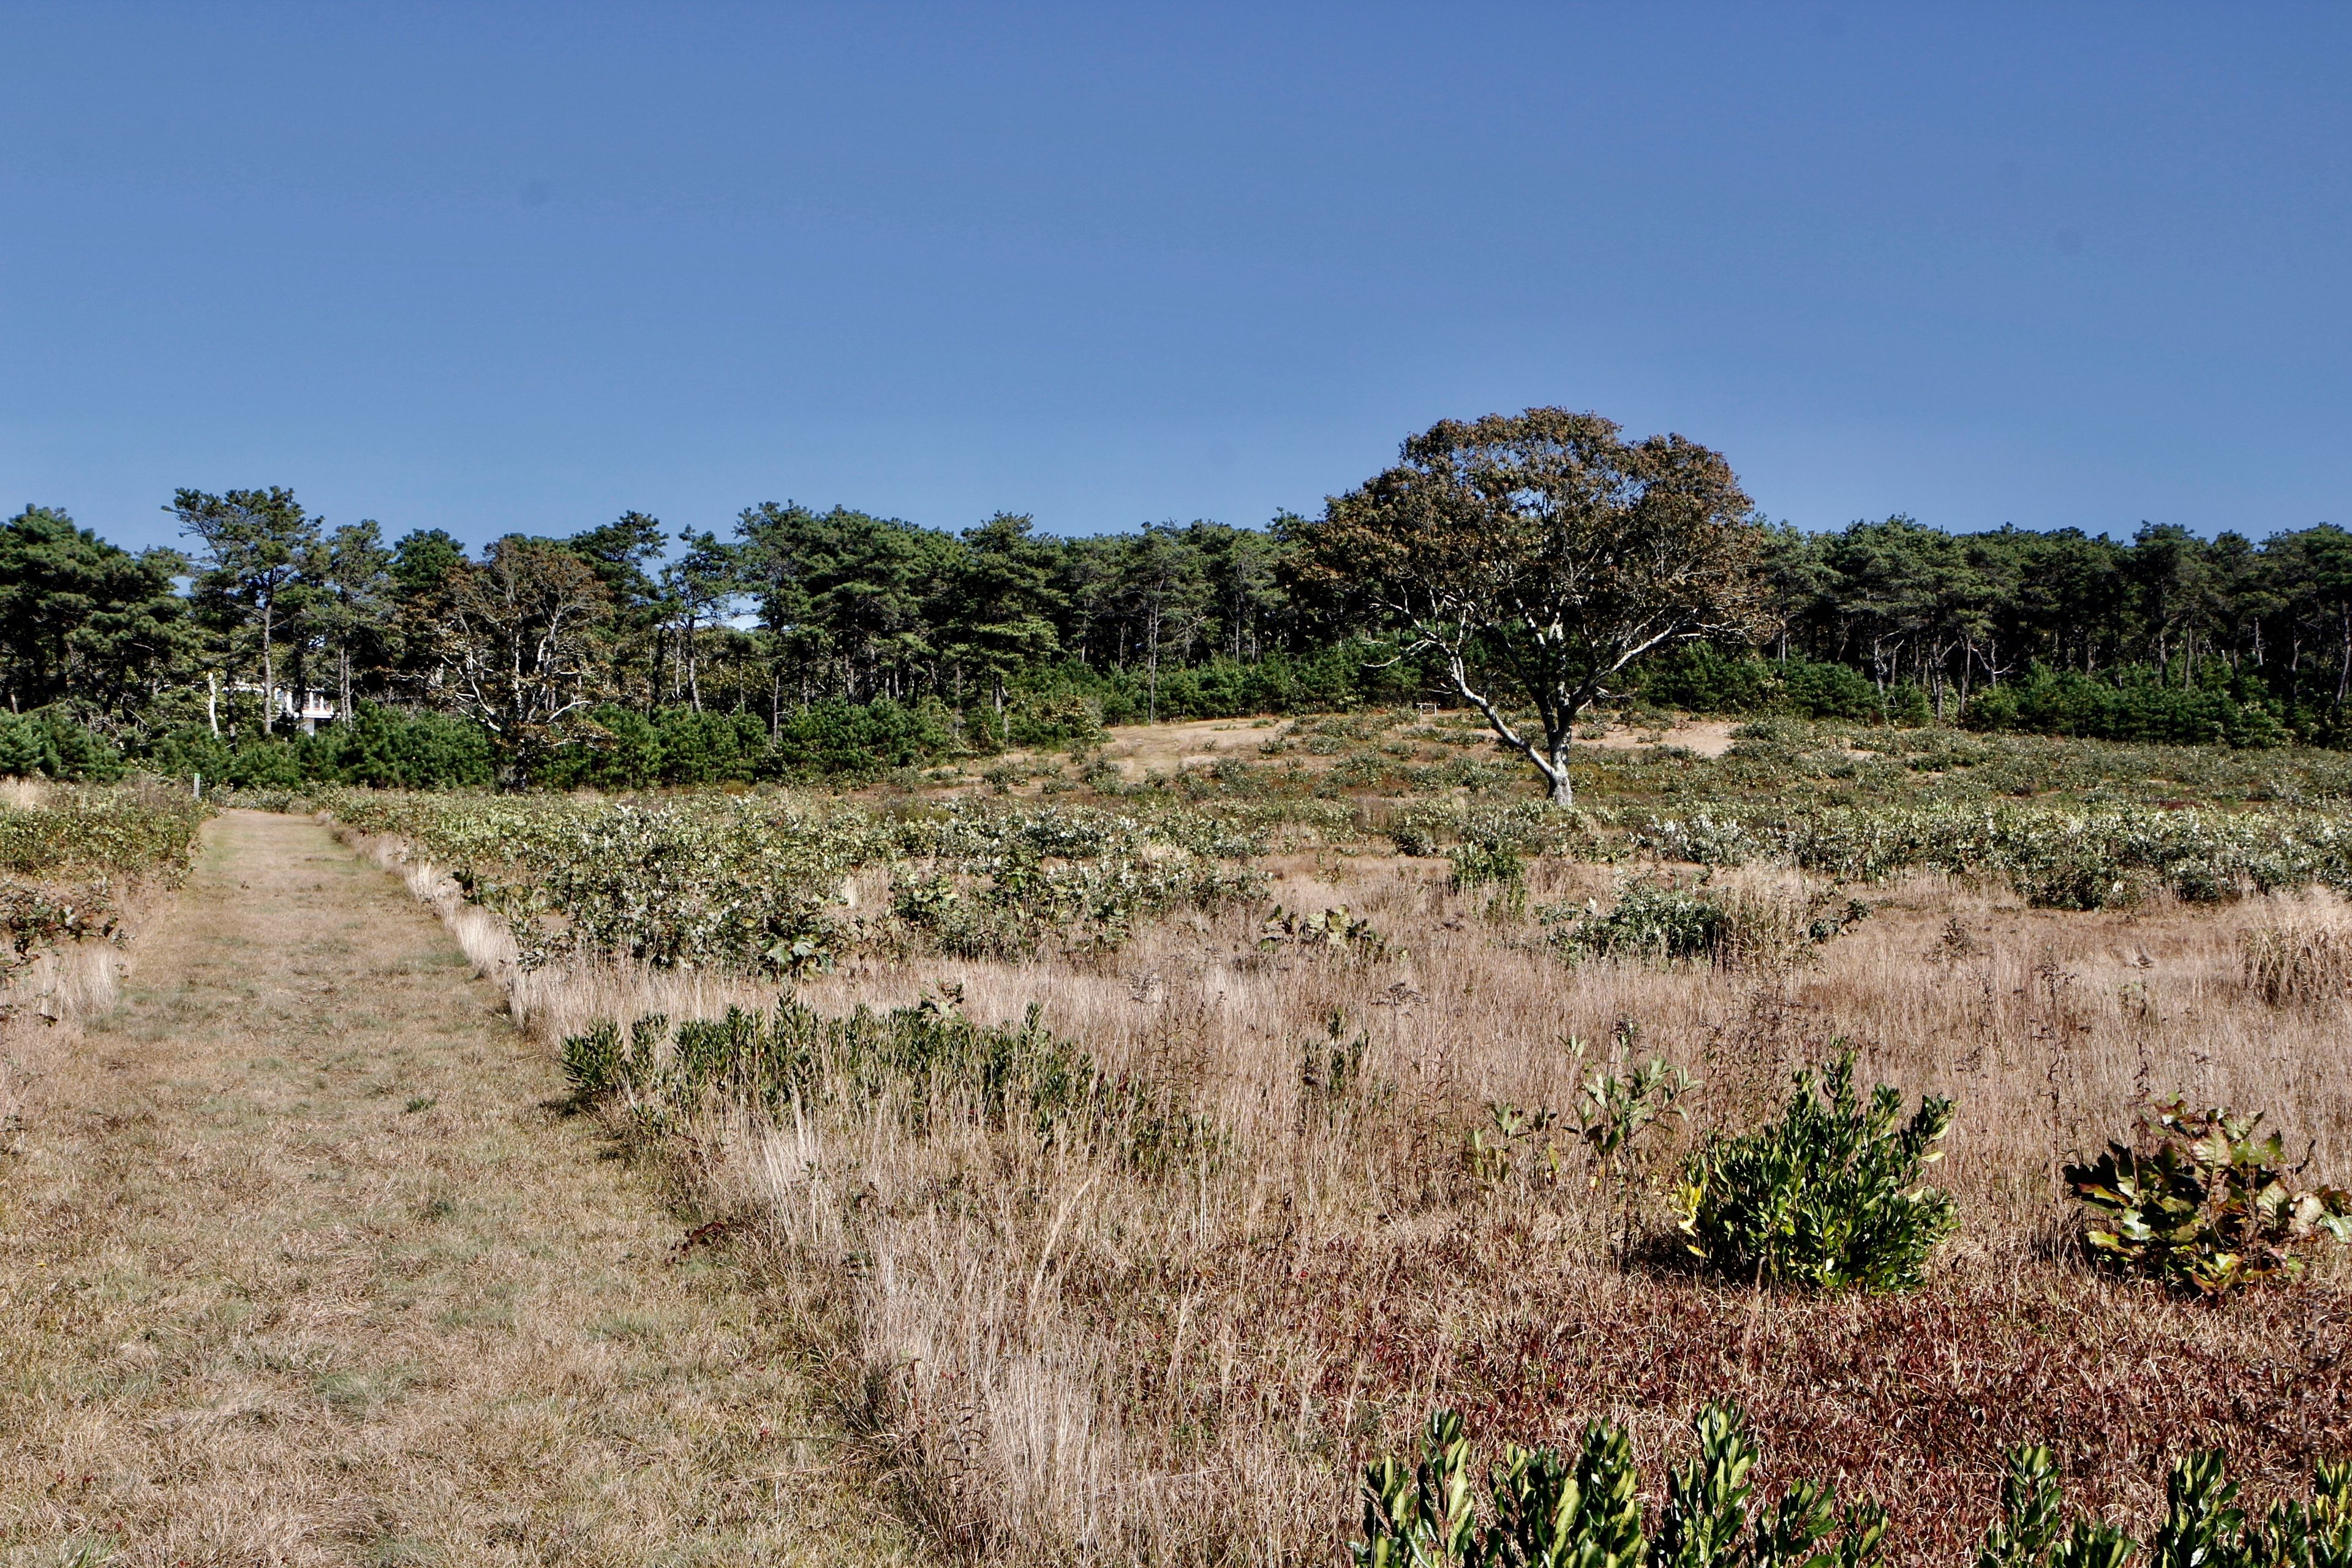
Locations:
(311, 706)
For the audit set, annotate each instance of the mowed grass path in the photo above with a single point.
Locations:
(302, 1262)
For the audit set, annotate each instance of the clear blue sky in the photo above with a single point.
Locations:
(491, 268)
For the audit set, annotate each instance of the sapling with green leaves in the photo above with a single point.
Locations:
(2203, 1528)
(1618, 1110)
(1544, 1510)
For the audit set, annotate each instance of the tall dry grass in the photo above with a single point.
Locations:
(45, 1002)
(1059, 1352)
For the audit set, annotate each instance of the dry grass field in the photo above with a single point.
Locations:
(1089, 1359)
(316, 1261)
(1059, 1352)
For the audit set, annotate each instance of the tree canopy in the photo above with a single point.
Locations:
(1541, 561)
(1540, 556)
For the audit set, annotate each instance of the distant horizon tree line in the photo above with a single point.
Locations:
(1530, 566)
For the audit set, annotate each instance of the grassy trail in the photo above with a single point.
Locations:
(300, 1263)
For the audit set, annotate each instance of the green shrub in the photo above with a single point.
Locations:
(63, 862)
(1543, 1509)
(926, 1066)
(851, 740)
(49, 744)
(380, 747)
(1813, 691)
(1828, 1196)
(592, 1061)
(1650, 919)
(2203, 1527)
(2133, 703)
(1055, 720)
(2200, 1202)
(90, 831)
(387, 749)
(1664, 923)
(1487, 864)
(1703, 679)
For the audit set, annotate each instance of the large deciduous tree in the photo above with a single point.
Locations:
(1540, 556)
(519, 640)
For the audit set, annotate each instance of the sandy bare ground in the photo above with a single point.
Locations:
(1137, 750)
(1195, 743)
(302, 1262)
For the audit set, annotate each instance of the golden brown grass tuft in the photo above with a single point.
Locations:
(2297, 962)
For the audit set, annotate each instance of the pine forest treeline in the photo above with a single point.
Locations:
(839, 637)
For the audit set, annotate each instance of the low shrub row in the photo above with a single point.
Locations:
(1541, 1509)
(121, 832)
(2133, 704)
(2128, 702)
(757, 883)
(66, 858)
(2054, 857)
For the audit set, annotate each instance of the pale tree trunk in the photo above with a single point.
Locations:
(1550, 757)
(1563, 791)
(1152, 701)
(268, 669)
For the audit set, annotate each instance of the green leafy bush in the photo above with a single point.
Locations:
(100, 831)
(1814, 691)
(1487, 863)
(1664, 922)
(2133, 703)
(2203, 1527)
(1543, 1509)
(1830, 1195)
(2198, 1202)
(926, 1066)
(1652, 920)
(848, 740)
(1702, 679)
(1055, 720)
(63, 859)
(379, 747)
